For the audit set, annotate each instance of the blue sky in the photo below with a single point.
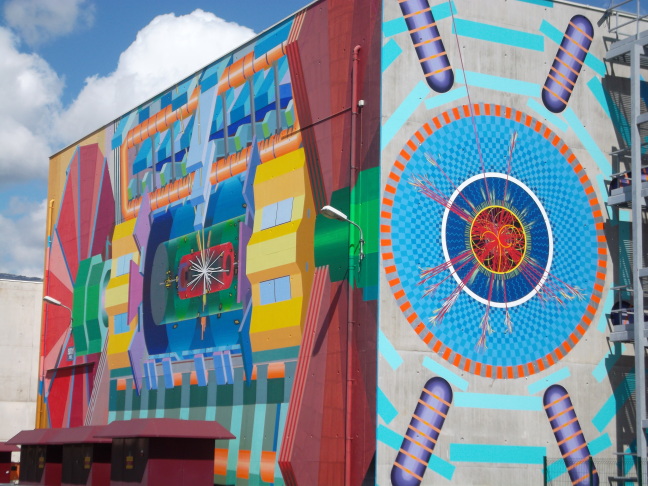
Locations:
(68, 67)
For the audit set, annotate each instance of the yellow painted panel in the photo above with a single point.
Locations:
(279, 166)
(272, 253)
(276, 338)
(117, 291)
(275, 316)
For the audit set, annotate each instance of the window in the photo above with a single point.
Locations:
(277, 213)
(275, 290)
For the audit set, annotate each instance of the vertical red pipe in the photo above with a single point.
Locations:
(351, 277)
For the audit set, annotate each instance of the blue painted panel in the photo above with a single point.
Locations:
(497, 454)
(500, 35)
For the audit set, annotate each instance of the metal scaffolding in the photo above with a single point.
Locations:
(628, 51)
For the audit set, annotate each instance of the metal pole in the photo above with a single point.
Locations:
(544, 471)
(637, 249)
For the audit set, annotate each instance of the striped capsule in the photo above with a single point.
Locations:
(428, 44)
(569, 436)
(422, 433)
(567, 64)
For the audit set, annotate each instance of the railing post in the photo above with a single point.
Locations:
(640, 471)
(544, 471)
(590, 464)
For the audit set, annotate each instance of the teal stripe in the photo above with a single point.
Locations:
(394, 440)
(390, 52)
(386, 409)
(445, 373)
(233, 449)
(551, 32)
(282, 425)
(497, 83)
(588, 142)
(388, 351)
(499, 35)
(439, 466)
(542, 3)
(403, 113)
(556, 35)
(398, 25)
(388, 437)
(596, 87)
(257, 441)
(497, 454)
(441, 99)
(600, 444)
(539, 108)
(498, 402)
(614, 403)
(555, 470)
(544, 383)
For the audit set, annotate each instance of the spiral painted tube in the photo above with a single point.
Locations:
(422, 433)
(428, 44)
(567, 64)
(569, 436)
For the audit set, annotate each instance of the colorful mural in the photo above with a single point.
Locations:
(203, 283)
(468, 143)
(494, 242)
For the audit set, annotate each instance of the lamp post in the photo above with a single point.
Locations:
(333, 213)
(51, 300)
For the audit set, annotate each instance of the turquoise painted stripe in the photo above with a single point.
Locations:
(607, 308)
(112, 415)
(499, 35)
(498, 402)
(282, 425)
(257, 440)
(543, 383)
(442, 467)
(403, 113)
(556, 35)
(539, 108)
(235, 430)
(500, 454)
(614, 403)
(398, 25)
(600, 444)
(497, 83)
(596, 88)
(389, 437)
(441, 99)
(394, 440)
(388, 351)
(588, 142)
(542, 3)
(386, 409)
(555, 470)
(445, 373)
(390, 52)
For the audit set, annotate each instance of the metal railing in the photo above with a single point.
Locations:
(623, 470)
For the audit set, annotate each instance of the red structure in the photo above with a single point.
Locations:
(86, 458)
(5, 462)
(40, 460)
(163, 451)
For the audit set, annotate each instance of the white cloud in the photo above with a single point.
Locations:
(29, 105)
(33, 123)
(39, 20)
(22, 238)
(167, 50)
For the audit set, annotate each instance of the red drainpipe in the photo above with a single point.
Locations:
(351, 278)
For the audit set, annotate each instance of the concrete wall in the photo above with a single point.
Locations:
(19, 346)
(500, 333)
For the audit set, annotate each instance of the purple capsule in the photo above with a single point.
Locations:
(567, 64)
(422, 433)
(569, 436)
(428, 44)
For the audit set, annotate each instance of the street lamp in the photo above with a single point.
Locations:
(53, 301)
(333, 213)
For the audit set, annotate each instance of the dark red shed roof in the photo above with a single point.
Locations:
(8, 448)
(166, 427)
(33, 437)
(79, 435)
